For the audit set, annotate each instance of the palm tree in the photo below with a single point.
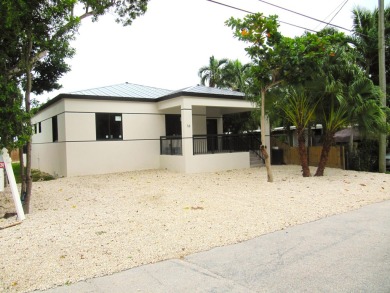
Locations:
(348, 97)
(213, 73)
(365, 39)
(235, 75)
(299, 110)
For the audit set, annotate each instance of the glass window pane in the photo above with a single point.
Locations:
(102, 126)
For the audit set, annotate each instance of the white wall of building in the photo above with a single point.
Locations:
(77, 151)
(103, 157)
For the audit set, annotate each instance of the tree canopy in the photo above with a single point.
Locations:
(35, 40)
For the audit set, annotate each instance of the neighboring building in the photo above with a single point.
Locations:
(132, 127)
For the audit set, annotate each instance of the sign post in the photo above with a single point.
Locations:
(5, 158)
(2, 176)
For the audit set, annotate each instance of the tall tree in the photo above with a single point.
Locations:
(348, 94)
(44, 29)
(277, 59)
(235, 75)
(213, 73)
(13, 133)
(262, 35)
(366, 38)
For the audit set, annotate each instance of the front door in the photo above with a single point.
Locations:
(212, 131)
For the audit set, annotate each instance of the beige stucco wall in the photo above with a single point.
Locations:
(199, 120)
(47, 155)
(78, 153)
(50, 158)
(80, 127)
(206, 163)
(103, 157)
(218, 162)
(172, 163)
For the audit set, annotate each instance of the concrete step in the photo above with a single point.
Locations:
(255, 161)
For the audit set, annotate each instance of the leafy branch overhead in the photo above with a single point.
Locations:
(35, 40)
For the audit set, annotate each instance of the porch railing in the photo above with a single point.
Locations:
(211, 144)
(170, 145)
(225, 143)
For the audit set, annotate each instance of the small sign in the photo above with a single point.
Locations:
(4, 157)
(2, 166)
(1, 180)
(118, 118)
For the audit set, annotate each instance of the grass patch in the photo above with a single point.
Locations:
(35, 174)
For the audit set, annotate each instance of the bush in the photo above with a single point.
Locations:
(365, 158)
(35, 174)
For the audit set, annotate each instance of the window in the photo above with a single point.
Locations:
(54, 125)
(172, 124)
(108, 126)
(40, 127)
(35, 128)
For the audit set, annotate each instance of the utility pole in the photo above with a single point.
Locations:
(382, 80)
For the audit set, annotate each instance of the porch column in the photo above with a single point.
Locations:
(186, 130)
(220, 124)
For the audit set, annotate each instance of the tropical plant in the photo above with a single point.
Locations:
(213, 73)
(277, 59)
(299, 110)
(235, 75)
(348, 95)
(365, 38)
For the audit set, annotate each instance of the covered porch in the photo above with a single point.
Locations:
(194, 140)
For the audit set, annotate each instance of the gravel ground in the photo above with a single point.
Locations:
(83, 227)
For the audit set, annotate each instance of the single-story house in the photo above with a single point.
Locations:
(129, 127)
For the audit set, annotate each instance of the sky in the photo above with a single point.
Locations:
(166, 46)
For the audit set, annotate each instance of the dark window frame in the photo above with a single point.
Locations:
(109, 126)
(54, 123)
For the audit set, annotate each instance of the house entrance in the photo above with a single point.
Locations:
(212, 131)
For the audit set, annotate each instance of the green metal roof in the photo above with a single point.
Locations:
(134, 92)
(129, 90)
(125, 90)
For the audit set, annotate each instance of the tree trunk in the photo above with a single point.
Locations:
(263, 148)
(303, 153)
(28, 179)
(28, 145)
(328, 140)
(22, 173)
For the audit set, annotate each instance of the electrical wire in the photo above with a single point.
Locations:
(247, 11)
(304, 15)
(336, 13)
(330, 14)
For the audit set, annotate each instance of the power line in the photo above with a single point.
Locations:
(304, 15)
(301, 27)
(337, 13)
(247, 11)
(341, 4)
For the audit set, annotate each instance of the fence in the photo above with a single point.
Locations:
(335, 157)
